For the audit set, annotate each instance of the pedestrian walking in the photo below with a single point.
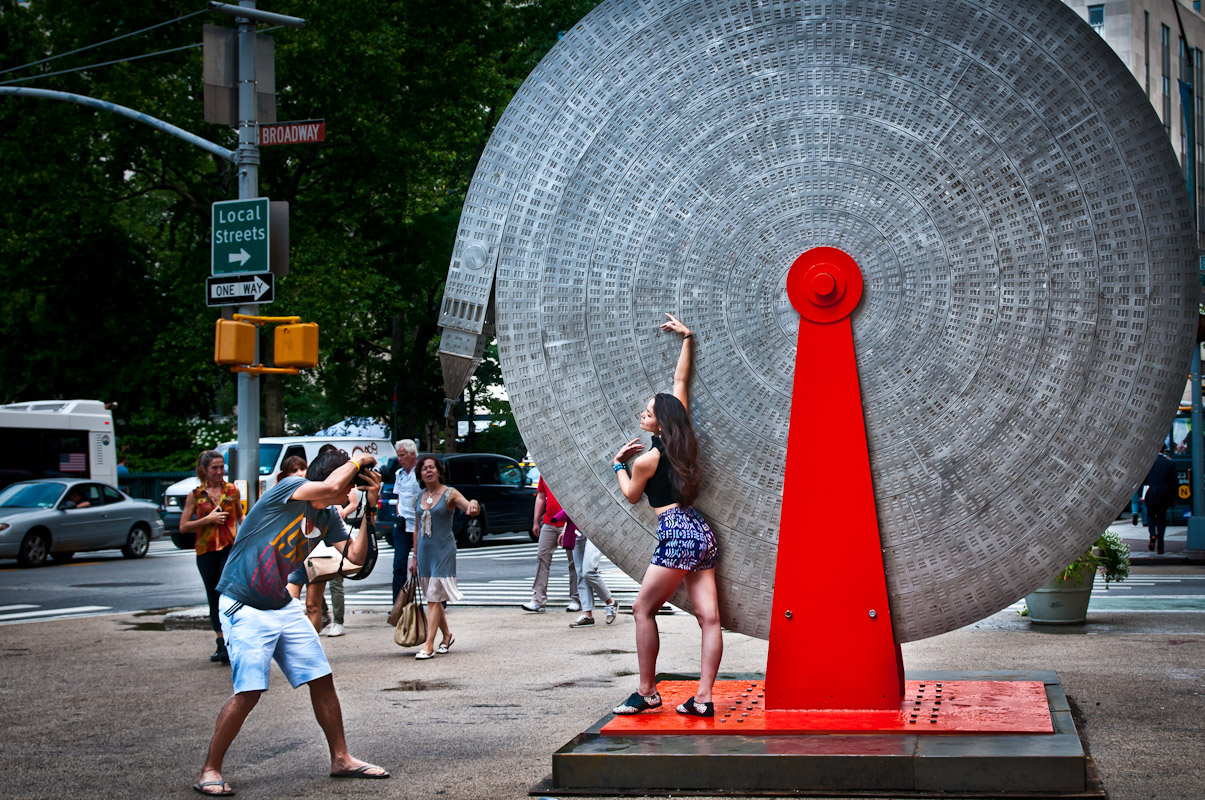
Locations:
(434, 559)
(400, 471)
(262, 622)
(548, 533)
(213, 511)
(586, 558)
(687, 548)
(1160, 494)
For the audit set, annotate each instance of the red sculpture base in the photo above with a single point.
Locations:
(929, 707)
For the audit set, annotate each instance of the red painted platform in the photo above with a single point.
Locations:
(930, 707)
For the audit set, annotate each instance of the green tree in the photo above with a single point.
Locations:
(105, 221)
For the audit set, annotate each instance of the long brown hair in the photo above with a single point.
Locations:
(680, 444)
(204, 460)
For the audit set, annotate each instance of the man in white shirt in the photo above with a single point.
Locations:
(405, 486)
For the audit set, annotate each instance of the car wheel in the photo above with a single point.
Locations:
(184, 541)
(64, 557)
(34, 549)
(137, 543)
(473, 530)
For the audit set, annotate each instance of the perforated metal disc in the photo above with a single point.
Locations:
(1004, 185)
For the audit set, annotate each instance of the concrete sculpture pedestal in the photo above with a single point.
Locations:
(905, 763)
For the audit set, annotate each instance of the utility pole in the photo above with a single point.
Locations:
(248, 187)
(1196, 522)
(249, 384)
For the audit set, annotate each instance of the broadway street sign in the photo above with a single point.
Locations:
(239, 290)
(313, 130)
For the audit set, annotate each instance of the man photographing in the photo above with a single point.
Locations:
(260, 619)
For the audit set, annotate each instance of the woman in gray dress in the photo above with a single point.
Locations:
(434, 558)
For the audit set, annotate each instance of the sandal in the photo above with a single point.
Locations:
(423, 655)
(692, 709)
(225, 791)
(637, 703)
(443, 646)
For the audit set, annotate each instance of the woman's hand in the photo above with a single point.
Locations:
(217, 516)
(413, 565)
(628, 450)
(675, 325)
(560, 538)
(474, 508)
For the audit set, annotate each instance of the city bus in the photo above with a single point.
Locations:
(57, 439)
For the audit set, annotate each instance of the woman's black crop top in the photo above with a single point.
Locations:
(660, 489)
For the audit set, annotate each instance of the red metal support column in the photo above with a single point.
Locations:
(831, 643)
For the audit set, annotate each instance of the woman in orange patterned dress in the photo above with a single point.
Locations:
(213, 511)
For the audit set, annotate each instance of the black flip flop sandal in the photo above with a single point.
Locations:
(637, 702)
(692, 709)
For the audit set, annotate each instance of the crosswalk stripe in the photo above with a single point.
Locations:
(49, 612)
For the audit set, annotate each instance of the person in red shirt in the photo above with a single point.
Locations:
(548, 532)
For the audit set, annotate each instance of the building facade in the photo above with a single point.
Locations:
(1145, 34)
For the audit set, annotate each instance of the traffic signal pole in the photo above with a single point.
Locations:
(248, 187)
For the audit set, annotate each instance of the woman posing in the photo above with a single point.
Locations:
(434, 558)
(213, 511)
(687, 550)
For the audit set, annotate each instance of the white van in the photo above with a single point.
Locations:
(272, 452)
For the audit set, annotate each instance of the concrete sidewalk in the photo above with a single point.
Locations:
(119, 707)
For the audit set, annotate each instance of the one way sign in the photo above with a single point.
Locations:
(238, 290)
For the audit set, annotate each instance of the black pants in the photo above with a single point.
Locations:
(210, 565)
(1156, 523)
(403, 540)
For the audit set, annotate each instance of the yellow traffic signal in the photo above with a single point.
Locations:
(234, 342)
(296, 345)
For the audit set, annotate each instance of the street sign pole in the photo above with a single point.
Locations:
(248, 187)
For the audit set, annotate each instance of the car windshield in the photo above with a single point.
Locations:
(31, 495)
(268, 453)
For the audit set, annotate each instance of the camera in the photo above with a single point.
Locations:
(360, 479)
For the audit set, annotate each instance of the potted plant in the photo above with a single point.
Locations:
(1063, 600)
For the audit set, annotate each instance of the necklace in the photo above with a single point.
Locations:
(429, 499)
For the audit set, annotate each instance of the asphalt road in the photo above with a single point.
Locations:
(498, 573)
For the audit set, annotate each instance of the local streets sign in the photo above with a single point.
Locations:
(238, 290)
(240, 236)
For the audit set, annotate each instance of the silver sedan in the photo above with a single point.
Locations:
(60, 517)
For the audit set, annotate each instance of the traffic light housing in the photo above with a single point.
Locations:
(234, 342)
(296, 345)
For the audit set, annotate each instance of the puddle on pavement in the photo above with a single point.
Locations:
(626, 673)
(112, 585)
(611, 653)
(581, 683)
(145, 626)
(422, 686)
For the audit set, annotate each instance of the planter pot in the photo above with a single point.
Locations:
(1059, 602)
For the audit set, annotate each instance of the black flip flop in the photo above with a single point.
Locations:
(636, 703)
(691, 709)
(361, 772)
(199, 788)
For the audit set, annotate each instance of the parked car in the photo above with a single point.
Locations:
(495, 481)
(37, 520)
(273, 450)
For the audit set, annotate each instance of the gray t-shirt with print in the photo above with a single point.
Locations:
(272, 542)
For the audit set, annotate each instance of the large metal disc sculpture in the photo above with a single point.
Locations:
(1024, 242)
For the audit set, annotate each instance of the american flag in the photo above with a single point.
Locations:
(72, 462)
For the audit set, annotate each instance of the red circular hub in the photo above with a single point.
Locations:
(824, 284)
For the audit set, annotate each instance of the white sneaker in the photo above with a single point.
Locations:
(574, 605)
(335, 630)
(611, 610)
(531, 606)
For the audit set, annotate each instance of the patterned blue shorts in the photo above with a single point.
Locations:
(686, 541)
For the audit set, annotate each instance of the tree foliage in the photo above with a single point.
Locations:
(105, 222)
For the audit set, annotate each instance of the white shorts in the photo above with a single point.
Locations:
(254, 637)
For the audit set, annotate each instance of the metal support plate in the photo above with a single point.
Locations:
(1014, 204)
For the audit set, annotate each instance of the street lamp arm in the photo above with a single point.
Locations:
(124, 111)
